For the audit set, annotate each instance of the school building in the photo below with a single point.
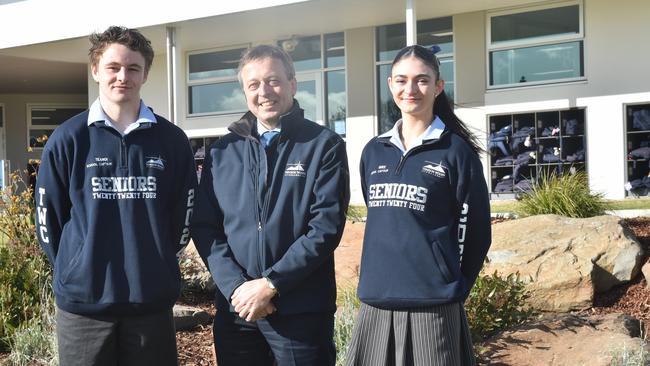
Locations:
(548, 86)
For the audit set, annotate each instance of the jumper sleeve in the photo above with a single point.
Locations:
(52, 198)
(210, 238)
(474, 228)
(184, 201)
(325, 227)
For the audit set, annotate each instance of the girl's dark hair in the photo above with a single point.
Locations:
(441, 107)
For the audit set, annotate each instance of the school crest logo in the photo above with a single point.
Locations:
(155, 163)
(436, 169)
(295, 170)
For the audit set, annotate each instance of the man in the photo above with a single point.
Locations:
(270, 212)
(114, 196)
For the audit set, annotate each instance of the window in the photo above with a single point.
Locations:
(320, 71)
(525, 147)
(213, 87)
(389, 40)
(637, 149)
(536, 46)
(43, 119)
(199, 146)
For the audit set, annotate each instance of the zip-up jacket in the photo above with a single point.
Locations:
(283, 221)
(112, 213)
(428, 226)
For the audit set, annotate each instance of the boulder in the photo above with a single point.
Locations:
(187, 317)
(194, 274)
(564, 261)
(566, 340)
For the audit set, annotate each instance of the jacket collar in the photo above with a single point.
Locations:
(247, 125)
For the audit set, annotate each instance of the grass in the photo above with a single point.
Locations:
(509, 206)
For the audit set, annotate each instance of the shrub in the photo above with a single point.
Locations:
(496, 303)
(348, 305)
(24, 269)
(631, 356)
(34, 343)
(566, 195)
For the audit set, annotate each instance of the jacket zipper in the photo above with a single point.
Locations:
(123, 155)
(258, 192)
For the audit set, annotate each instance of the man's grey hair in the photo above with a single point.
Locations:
(266, 51)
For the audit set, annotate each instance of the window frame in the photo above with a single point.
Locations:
(210, 81)
(29, 107)
(533, 42)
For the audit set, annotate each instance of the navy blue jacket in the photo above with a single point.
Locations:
(282, 224)
(428, 226)
(112, 213)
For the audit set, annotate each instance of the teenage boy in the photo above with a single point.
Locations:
(114, 196)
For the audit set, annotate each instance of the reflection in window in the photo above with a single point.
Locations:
(214, 64)
(212, 82)
(304, 51)
(219, 97)
(336, 101)
(306, 97)
(536, 46)
(539, 63)
(538, 23)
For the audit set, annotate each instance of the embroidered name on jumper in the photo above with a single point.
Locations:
(111, 188)
(380, 169)
(295, 170)
(397, 195)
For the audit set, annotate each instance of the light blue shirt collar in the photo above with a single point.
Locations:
(261, 128)
(432, 132)
(96, 114)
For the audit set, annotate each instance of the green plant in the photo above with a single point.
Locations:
(631, 356)
(496, 303)
(24, 270)
(566, 195)
(348, 306)
(34, 343)
(357, 213)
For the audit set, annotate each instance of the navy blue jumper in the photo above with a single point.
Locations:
(113, 211)
(428, 226)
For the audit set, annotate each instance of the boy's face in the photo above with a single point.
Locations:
(120, 73)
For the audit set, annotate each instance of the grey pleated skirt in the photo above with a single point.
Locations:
(427, 336)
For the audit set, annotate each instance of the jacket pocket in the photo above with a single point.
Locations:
(442, 262)
(71, 265)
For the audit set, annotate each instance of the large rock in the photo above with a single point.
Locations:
(566, 340)
(188, 317)
(565, 260)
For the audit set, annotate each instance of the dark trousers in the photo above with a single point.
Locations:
(289, 340)
(116, 340)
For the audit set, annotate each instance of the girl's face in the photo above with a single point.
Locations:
(414, 87)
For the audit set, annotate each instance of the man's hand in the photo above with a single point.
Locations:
(252, 300)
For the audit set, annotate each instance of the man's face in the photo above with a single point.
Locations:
(120, 73)
(269, 92)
